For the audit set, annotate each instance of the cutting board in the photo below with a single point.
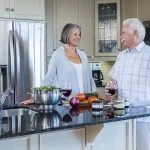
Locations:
(84, 103)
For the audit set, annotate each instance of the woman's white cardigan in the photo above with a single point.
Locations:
(60, 69)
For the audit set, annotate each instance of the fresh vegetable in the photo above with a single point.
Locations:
(90, 108)
(81, 97)
(74, 112)
(74, 102)
(48, 87)
(91, 98)
(90, 94)
(82, 109)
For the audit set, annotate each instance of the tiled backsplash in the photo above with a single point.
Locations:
(106, 66)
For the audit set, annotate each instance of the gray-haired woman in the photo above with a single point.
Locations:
(68, 63)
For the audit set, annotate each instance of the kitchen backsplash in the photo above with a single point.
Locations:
(106, 66)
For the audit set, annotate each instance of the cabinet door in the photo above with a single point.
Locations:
(67, 12)
(128, 9)
(143, 10)
(63, 140)
(106, 136)
(107, 27)
(27, 9)
(14, 144)
(86, 21)
(5, 27)
(4, 8)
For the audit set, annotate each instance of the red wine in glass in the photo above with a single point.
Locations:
(66, 92)
(111, 91)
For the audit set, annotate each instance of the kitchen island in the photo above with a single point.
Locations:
(66, 128)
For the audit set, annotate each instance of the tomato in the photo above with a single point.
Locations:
(91, 98)
(90, 108)
(81, 97)
(82, 109)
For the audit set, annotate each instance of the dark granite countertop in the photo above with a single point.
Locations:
(63, 117)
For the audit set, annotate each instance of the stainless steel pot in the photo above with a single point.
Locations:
(46, 120)
(46, 97)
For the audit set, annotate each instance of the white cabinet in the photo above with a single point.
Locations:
(79, 12)
(112, 136)
(22, 9)
(107, 27)
(20, 143)
(63, 140)
(4, 8)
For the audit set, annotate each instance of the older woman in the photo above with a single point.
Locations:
(68, 63)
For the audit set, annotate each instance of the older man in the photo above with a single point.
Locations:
(132, 73)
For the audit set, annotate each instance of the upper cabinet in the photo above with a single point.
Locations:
(86, 21)
(4, 8)
(107, 27)
(128, 9)
(135, 9)
(79, 12)
(143, 9)
(22, 9)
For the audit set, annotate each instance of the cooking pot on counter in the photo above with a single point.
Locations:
(46, 97)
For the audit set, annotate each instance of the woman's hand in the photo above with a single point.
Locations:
(26, 102)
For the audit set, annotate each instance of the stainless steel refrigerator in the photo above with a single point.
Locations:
(23, 52)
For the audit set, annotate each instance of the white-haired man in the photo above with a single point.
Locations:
(132, 73)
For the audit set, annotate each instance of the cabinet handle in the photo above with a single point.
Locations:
(12, 9)
(7, 9)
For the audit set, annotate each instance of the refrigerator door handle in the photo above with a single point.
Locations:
(17, 53)
(11, 61)
(18, 63)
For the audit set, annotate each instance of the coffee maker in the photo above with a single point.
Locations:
(96, 73)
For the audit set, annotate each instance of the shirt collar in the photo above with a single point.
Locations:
(139, 47)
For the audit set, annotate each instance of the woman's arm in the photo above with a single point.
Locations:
(51, 73)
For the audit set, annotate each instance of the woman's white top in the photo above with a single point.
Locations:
(60, 70)
(79, 72)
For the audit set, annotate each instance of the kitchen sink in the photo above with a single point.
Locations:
(16, 112)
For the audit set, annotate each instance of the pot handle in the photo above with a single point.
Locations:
(29, 93)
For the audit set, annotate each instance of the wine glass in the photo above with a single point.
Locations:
(66, 90)
(111, 89)
(66, 118)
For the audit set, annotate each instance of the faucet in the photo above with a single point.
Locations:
(9, 91)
